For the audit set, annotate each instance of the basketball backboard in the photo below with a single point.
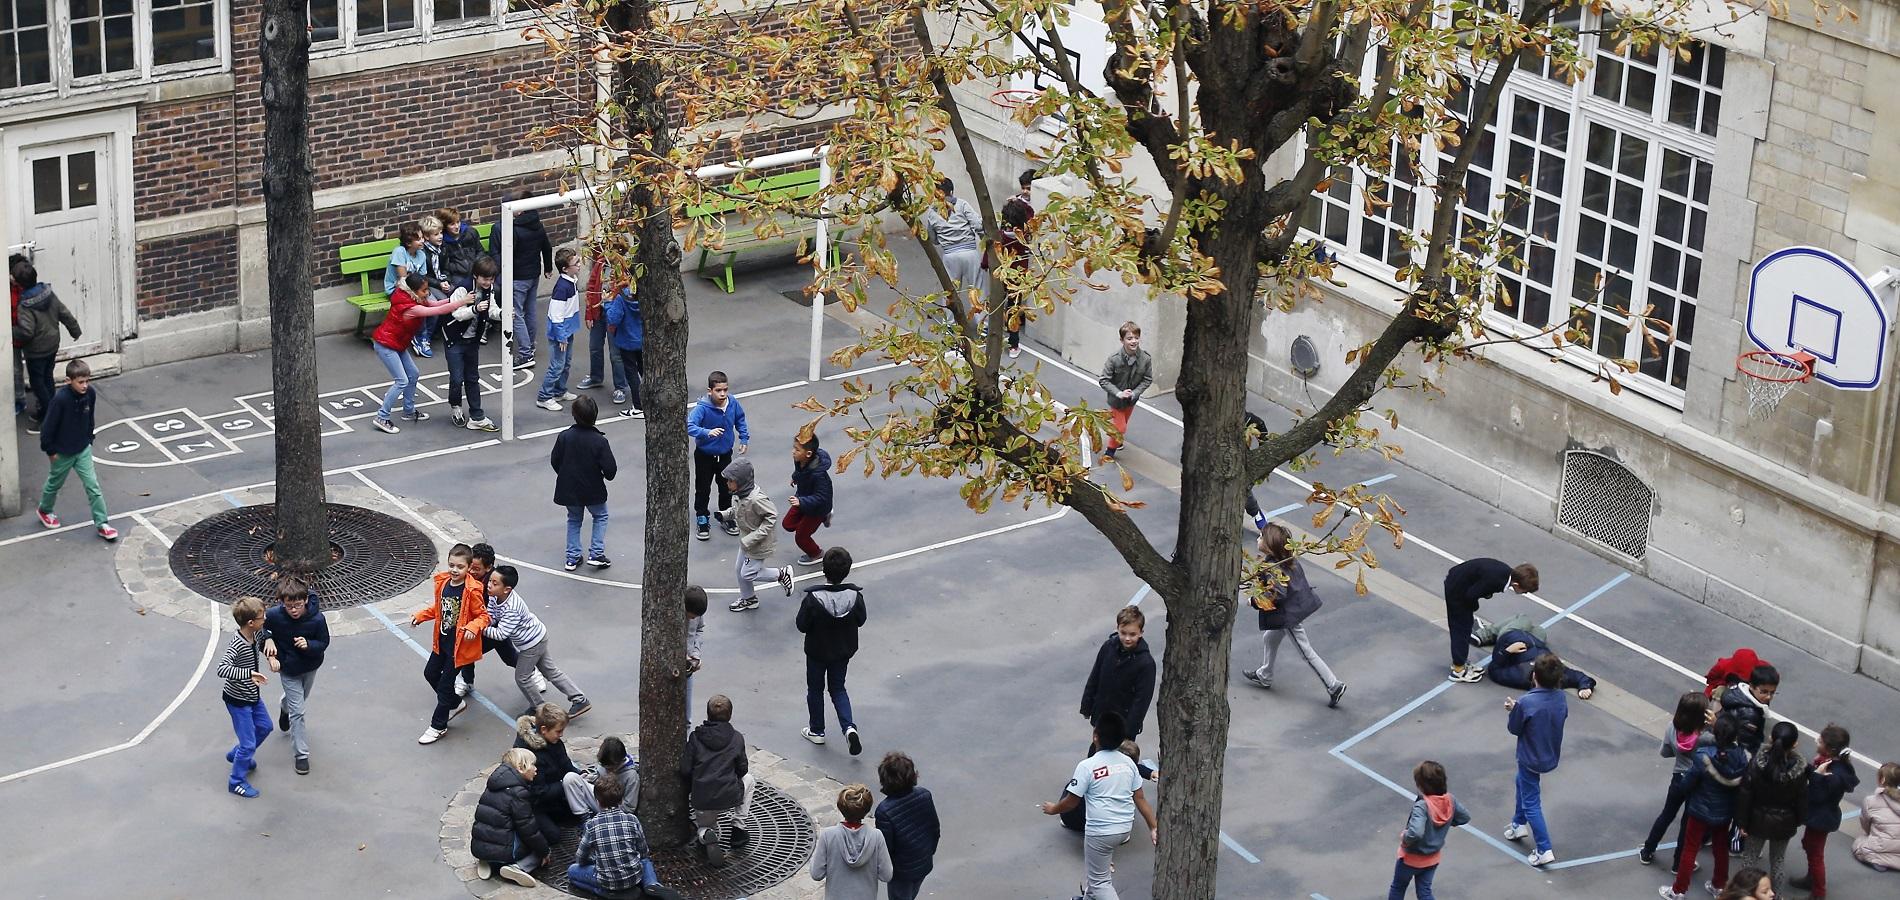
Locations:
(1804, 299)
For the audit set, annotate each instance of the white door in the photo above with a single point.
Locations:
(70, 215)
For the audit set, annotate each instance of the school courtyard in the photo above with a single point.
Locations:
(981, 632)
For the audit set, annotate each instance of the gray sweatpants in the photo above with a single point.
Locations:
(1098, 853)
(296, 693)
(751, 571)
(537, 657)
(1272, 640)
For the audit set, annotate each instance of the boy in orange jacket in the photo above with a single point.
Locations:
(461, 612)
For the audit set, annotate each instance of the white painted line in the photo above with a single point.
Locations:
(153, 442)
(767, 390)
(204, 663)
(843, 375)
(214, 432)
(1063, 365)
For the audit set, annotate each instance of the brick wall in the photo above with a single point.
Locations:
(181, 158)
(187, 274)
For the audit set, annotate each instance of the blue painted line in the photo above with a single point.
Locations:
(1235, 846)
(1317, 897)
(1273, 514)
(484, 701)
(1396, 715)
(1600, 591)
(1136, 600)
(1603, 857)
(229, 499)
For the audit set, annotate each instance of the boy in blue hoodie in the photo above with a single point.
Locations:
(1434, 815)
(1537, 718)
(717, 426)
(629, 332)
(564, 321)
(298, 637)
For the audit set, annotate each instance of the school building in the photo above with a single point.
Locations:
(1658, 183)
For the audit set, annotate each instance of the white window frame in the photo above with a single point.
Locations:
(426, 28)
(1583, 107)
(64, 83)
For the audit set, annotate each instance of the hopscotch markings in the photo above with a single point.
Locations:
(262, 404)
(152, 441)
(214, 432)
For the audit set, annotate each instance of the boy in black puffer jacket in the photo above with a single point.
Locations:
(505, 832)
(830, 616)
(298, 635)
(1748, 703)
(716, 767)
(1123, 677)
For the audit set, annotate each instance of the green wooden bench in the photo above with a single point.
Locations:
(739, 234)
(368, 261)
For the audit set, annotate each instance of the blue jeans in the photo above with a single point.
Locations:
(251, 723)
(1530, 806)
(818, 675)
(597, 543)
(554, 384)
(525, 290)
(597, 348)
(1403, 874)
(902, 889)
(465, 375)
(403, 375)
(587, 878)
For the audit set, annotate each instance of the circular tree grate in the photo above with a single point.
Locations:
(782, 840)
(225, 556)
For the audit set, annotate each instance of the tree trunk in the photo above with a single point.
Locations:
(663, 394)
(303, 530)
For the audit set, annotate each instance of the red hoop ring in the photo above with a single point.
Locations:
(1013, 98)
(1801, 370)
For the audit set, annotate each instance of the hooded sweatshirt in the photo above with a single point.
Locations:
(829, 617)
(811, 484)
(754, 512)
(851, 861)
(714, 762)
(707, 415)
(36, 323)
(532, 251)
(1432, 819)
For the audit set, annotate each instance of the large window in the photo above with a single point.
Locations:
(351, 23)
(54, 45)
(1601, 189)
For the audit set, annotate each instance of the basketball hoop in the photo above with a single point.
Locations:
(1009, 102)
(1769, 376)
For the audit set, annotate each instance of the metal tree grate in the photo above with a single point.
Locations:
(1605, 502)
(782, 840)
(224, 557)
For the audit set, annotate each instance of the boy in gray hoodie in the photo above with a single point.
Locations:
(830, 617)
(850, 858)
(1434, 815)
(757, 519)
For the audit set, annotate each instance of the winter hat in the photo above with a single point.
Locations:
(740, 471)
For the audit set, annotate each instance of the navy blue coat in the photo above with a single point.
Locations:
(1825, 790)
(1713, 780)
(583, 464)
(285, 630)
(811, 484)
(66, 428)
(910, 827)
(1473, 580)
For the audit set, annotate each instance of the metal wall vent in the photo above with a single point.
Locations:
(1605, 502)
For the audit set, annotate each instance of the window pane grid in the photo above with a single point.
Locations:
(184, 31)
(101, 37)
(25, 42)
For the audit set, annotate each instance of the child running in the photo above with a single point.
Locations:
(1434, 814)
(830, 616)
(66, 439)
(511, 620)
(1127, 374)
(757, 520)
(1286, 599)
(250, 721)
(1537, 718)
(564, 320)
(718, 429)
(810, 503)
(299, 635)
(460, 613)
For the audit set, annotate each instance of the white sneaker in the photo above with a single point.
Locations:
(550, 404)
(462, 687)
(1666, 894)
(541, 682)
(1541, 859)
(1516, 832)
(570, 396)
(633, 412)
(431, 736)
(482, 424)
(814, 738)
(484, 869)
(459, 709)
(457, 417)
(513, 873)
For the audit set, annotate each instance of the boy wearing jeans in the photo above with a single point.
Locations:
(462, 336)
(564, 320)
(66, 439)
(238, 667)
(1537, 718)
(830, 617)
(36, 324)
(1126, 375)
(298, 637)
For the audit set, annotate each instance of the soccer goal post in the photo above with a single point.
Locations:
(504, 248)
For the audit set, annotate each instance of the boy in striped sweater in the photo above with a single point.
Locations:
(242, 699)
(511, 620)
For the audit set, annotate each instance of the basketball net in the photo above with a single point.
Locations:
(1769, 376)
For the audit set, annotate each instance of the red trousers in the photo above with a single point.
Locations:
(1119, 415)
(1693, 831)
(802, 526)
(1814, 844)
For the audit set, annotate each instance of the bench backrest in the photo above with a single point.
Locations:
(789, 185)
(373, 256)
